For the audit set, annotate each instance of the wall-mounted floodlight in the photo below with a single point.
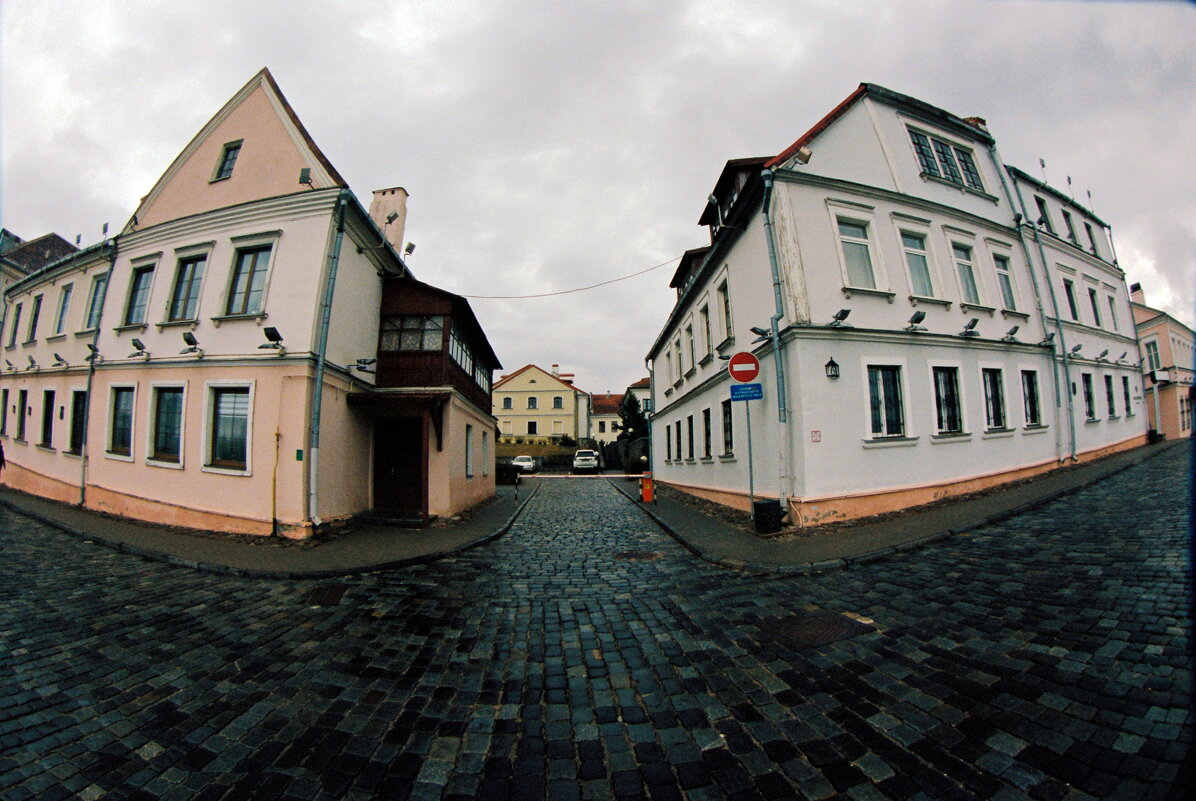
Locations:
(1010, 334)
(11, 366)
(305, 176)
(832, 368)
(60, 362)
(394, 215)
(762, 334)
(839, 317)
(273, 340)
(1102, 354)
(32, 364)
(409, 249)
(364, 365)
(914, 321)
(1076, 349)
(1050, 337)
(802, 156)
(1122, 356)
(141, 351)
(969, 330)
(192, 345)
(95, 355)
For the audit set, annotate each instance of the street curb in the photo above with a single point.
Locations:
(826, 565)
(225, 570)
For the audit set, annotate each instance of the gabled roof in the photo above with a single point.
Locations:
(725, 184)
(274, 148)
(689, 260)
(31, 256)
(606, 403)
(527, 367)
(643, 383)
(918, 108)
(1022, 175)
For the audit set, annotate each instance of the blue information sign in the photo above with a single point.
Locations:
(746, 392)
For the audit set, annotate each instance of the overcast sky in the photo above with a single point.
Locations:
(553, 145)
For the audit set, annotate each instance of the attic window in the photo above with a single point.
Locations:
(228, 158)
(946, 161)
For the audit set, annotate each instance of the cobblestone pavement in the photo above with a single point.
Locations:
(585, 655)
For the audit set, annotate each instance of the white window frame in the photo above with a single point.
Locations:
(865, 216)
(1154, 359)
(210, 388)
(1088, 397)
(110, 417)
(96, 297)
(1002, 251)
(962, 239)
(725, 314)
(954, 149)
(905, 226)
(151, 431)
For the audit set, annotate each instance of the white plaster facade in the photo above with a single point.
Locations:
(936, 392)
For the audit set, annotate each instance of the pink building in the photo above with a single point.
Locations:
(1167, 360)
(189, 370)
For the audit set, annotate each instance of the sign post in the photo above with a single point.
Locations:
(744, 367)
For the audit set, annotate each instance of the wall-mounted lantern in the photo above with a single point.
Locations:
(832, 369)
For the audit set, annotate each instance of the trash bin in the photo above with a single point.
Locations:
(767, 514)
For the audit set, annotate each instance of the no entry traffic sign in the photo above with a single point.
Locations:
(744, 367)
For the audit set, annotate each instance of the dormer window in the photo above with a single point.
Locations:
(228, 159)
(1044, 217)
(946, 161)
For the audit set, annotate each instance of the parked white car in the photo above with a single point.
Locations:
(585, 461)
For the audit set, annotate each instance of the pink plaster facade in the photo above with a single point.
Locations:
(171, 375)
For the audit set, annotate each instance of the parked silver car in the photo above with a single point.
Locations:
(524, 464)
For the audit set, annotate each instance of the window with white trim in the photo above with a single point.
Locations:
(16, 323)
(1031, 406)
(1153, 362)
(120, 421)
(885, 400)
(967, 272)
(914, 246)
(78, 421)
(166, 424)
(31, 334)
(994, 398)
(95, 302)
(139, 294)
(948, 413)
(47, 440)
(1113, 312)
(1110, 403)
(1005, 281)
(64, 304)
(1069, 290)
(1044, 216)
(857, 257)
(184, 297)
(706, 433)
(1092, 301)
(228, 427)
(1089, 399)
(1125, 396)
(724, 304)
(228, 160)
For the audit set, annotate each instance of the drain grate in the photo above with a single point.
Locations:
(638, 556)
(811, 629)
(326, 595)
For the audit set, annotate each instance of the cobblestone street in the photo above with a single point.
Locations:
(587, 655)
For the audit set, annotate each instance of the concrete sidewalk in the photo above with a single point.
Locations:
(378, 547)
(724, 544)
(361, 550)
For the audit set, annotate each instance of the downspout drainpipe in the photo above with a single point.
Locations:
(313, 471)
(778, 347)
(1062, 347)
(1013, 204)
(91, 374)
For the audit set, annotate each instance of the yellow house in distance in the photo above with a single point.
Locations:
(534, 404)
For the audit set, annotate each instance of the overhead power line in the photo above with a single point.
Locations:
(571, 291)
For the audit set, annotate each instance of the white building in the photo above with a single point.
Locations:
(910, 315)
